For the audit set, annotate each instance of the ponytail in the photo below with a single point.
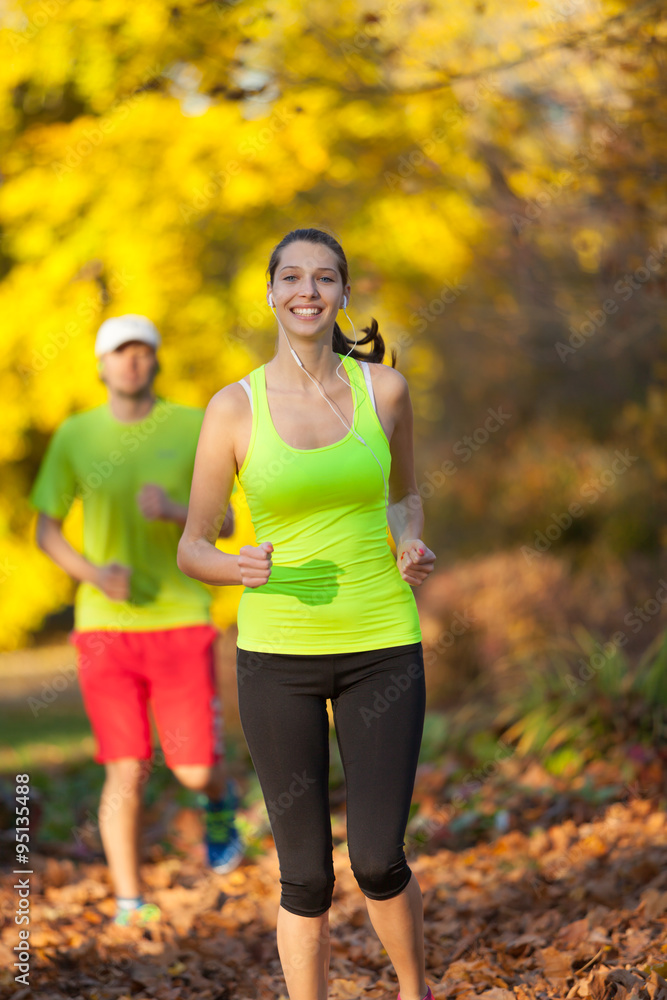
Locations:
(341, 344)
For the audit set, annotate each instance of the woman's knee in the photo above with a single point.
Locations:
(309, 894)
(378, 876)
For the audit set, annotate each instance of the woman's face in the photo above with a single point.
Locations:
(307, 288)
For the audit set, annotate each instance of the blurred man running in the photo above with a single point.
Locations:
(142, 627)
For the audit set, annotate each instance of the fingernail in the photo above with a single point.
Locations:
(421, 552)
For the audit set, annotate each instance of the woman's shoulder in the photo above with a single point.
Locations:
(230, 401)
(387, 381)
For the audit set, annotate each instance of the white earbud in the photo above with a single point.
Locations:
(271, 302)
(345, 302)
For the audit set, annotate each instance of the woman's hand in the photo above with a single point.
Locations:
(415, 561)
(255, 564)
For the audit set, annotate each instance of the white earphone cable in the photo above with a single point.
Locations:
(324, 397)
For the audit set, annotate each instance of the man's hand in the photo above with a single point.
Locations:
(415, 561)
(255, 564)
(154, 503)
(114, 581)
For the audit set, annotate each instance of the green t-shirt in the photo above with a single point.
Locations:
(106, 462)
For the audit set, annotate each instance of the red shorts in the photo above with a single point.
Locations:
(174, 670)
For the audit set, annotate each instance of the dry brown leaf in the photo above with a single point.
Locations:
(344, 989)
(556, 964)
(573, 934)
(594, 986)
(656, 986)
(654, 903)
(625, 978)
(524, 943)
(594, 845)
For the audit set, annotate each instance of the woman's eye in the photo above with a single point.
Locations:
(323, 277)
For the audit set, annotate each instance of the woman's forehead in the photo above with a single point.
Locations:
(309, 255)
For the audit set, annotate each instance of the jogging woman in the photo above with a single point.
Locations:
(321, 442)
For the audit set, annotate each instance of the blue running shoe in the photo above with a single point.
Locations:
(224, 847)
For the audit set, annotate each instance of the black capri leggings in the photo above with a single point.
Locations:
(378, 699)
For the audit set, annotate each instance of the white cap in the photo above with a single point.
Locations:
(119, 329)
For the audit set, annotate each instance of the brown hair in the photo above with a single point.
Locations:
(340, 343)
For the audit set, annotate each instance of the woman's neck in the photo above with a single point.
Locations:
(318, 358)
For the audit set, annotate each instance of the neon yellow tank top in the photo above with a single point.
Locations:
(334, 585)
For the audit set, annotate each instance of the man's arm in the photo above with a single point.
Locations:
(112, 579)
(155, 505)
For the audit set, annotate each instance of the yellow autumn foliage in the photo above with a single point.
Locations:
(486, 167)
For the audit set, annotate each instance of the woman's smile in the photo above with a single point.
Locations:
(306, 312)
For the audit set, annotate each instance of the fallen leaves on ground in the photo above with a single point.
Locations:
(565, 911)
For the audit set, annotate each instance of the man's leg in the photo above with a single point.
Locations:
(116, 700)
(186, 705)
(119, 818)
(188, 715)
(210, 781)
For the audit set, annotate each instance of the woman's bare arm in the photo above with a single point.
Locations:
(405, 513)
(212, 481)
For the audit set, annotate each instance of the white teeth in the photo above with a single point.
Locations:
(306, 312)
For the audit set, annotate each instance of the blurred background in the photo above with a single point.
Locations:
(496, 175)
